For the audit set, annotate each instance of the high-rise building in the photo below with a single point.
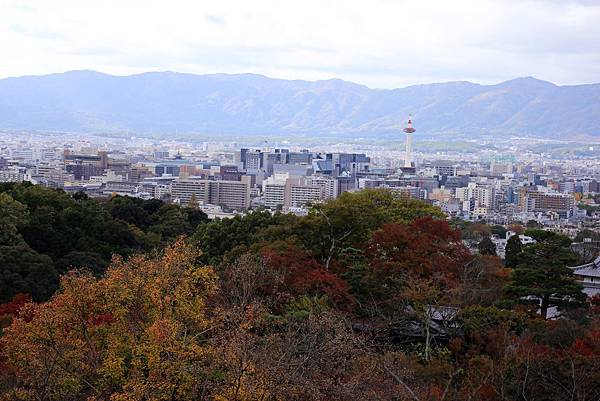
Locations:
(531, 200)
(231, 194)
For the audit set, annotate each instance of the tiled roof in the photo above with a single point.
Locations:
(591, 269)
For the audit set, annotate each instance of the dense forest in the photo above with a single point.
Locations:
(368, 297)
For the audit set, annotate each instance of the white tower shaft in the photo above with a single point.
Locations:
(408, 156)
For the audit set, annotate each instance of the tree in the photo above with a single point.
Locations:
(302, 274)
(221, 236)
(542, 276)
(10, 310)
(487, 247)
(413, 270)
(426, 248)
(533, 224)
(92, 261)
(350, 219)
(512, 251)
(498, 230)
(137, 333)
(476, 232)
(482, 281)
(24, 270)
(130, 210)
(12, 215)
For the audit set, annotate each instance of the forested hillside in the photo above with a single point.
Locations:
(168, 103)
(368, 297)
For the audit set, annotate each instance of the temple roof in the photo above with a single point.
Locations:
(591, 269)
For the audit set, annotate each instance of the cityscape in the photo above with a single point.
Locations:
(515, 185)
(226, 179)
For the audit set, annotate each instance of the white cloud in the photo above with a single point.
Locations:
(382, 43)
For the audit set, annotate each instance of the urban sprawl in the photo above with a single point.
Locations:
(225, 179)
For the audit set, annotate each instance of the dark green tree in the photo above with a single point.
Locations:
(220, 236)
(533, 224)
(12, 215)
(542, 276)
(487, 247)
(92, 261)
(498, 230)
(130, 210)
(512, 250)
(22, 270)
(541, 235)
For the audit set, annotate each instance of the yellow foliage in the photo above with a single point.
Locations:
(135, 334)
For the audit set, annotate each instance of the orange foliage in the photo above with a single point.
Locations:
(425, 249)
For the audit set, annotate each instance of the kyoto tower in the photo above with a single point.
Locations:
(409, 131)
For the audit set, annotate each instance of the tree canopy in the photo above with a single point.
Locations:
(367, 297)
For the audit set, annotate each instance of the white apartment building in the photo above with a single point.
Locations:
(482, 195)
(299, 192)
(283, 190)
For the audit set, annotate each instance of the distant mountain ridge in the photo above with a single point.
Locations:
(168, 102)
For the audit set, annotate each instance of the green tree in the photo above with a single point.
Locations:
(130, 210)
(542, 276)
(512, 250)
(533, 224)
(22, 270)
(487, 247)
(220, 236)
(498, 230)
(350, 220)
(12, 214)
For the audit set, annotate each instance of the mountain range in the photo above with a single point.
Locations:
(168, 103)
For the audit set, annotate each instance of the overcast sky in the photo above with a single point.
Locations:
(380, 43)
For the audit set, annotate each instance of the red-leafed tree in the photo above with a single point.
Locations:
(426, 249)
(303, 275)
(12, 308)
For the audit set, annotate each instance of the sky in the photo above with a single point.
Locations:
(379, 43)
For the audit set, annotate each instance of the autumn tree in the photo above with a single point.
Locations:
(425, 249)
(481, 281)
(301, 274)
(137, 333)
(413, 269)
(516, 228)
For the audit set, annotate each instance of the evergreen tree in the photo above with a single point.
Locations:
(513, 249)
(542, 274)
(487, 247)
